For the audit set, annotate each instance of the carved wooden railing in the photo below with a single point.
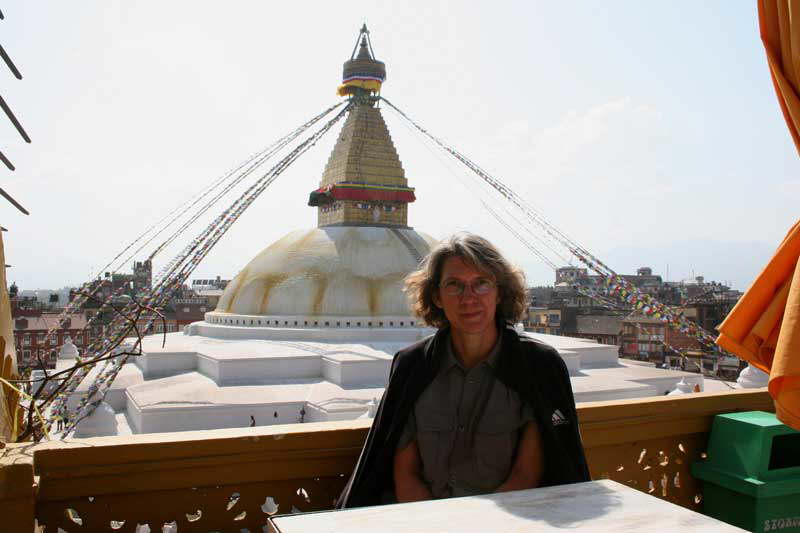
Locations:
(229, 480)
(650, 443)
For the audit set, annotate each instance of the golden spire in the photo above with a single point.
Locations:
(364, 183)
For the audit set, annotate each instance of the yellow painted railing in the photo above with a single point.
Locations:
(229, 480)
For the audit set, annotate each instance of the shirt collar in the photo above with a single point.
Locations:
(451, 360)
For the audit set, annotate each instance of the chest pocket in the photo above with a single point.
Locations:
(497, 432)
(434, 439)
(496, 437)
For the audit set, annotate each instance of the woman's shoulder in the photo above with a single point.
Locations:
(412, 353)
(540, 353)
(416, 348)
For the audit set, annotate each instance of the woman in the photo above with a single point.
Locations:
(477, 407)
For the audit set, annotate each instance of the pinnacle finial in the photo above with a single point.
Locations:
(363, 51)
(364, 41)
(362, 72)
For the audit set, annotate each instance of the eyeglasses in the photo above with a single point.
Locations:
(454, 287)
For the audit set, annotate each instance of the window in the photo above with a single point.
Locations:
(186, 310)
(170, 327)
(26, 355)
(79, 340)
(26, 341)
(202, 309)
(39, 338)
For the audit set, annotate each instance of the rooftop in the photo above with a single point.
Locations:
(599, 324)
(46, 321)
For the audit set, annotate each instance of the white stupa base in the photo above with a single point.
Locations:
(101, 423)
(291, 375)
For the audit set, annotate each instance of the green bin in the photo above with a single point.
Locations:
(752, 473)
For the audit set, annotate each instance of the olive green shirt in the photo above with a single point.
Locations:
(467, 425)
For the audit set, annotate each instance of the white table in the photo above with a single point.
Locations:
(595, 506)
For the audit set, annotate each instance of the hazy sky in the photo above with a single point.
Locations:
(648, 131)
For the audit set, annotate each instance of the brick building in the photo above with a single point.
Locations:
(188, 310)
(644, 338)
(30, 331)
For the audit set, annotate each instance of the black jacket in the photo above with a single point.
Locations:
(531, 368)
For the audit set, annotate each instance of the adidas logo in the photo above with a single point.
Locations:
(559, 419)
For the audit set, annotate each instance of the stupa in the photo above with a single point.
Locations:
(307, 330)
(348, 271)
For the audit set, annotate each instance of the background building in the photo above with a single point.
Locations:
(33, 346)
(567, 308)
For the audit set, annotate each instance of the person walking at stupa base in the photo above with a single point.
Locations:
(477, 407)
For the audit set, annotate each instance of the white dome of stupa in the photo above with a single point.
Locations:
(341, 271)
(68, 350)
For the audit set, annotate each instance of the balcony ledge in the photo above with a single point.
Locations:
(232, 475)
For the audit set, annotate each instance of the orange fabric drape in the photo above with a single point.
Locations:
(764, 327)
(779, 21)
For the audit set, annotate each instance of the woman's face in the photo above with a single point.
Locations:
(468, 297)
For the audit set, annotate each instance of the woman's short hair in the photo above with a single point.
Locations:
(423, 284)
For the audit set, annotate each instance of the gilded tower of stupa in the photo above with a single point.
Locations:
(364, 183)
